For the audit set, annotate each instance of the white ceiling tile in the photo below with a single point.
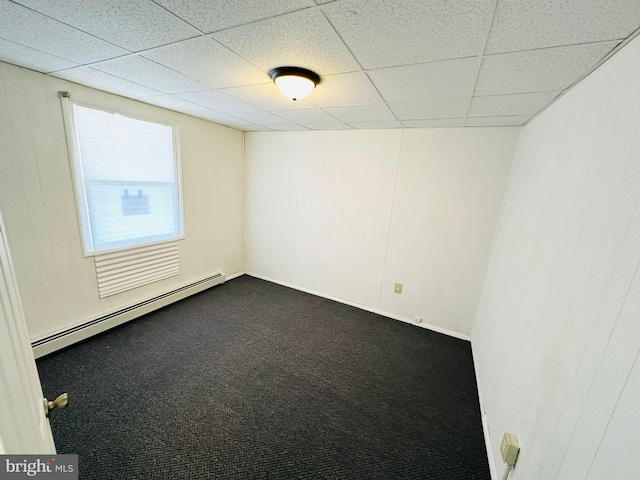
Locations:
(242, 126)
(218, 101)
(526, 24)
(173, 103)
(307, 115)
(26, 27)
(229, 122)
(538, 70)
(345, 89)
(383, 33)
(438, 108)
(506, 121)
(262, 118)
(426, 81)
(267, 96)
(104, 81)
(327, 126)
(302, 39)
(289, 127)
(132, 25)
(369, 125)
(517, 104)
(206, 60)
(362, 113)
(256, 128)
(211, 16)
(435, 123)
(17, 54)
(150, 74)
(179, 105)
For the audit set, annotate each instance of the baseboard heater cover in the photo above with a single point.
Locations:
(72, 335)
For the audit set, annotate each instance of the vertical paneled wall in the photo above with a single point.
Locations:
(349, 214)
(557, 334)
(58, 286)
(449, 192)
(318, 207)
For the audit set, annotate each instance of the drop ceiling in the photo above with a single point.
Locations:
(383, 63)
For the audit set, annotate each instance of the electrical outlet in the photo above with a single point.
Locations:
(510, 449)
(417, 319)
(397, 288)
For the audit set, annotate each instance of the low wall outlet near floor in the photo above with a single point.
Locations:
(510, 449)
(397, 288)
(417, 319)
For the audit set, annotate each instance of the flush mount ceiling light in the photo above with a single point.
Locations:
(294, 82)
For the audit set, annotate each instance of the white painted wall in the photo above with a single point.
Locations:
(349, 213)
(318, 207)
(557, 334)
(449, 191)
(58, 286)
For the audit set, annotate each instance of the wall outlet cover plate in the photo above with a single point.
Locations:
(510, 449)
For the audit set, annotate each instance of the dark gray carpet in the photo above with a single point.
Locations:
(253, 380)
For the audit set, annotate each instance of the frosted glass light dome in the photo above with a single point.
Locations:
(294, 82)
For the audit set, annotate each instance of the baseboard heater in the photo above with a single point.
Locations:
(85, 330)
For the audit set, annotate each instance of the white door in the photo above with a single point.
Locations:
(24, 427)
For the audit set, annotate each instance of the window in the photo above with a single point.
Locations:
(126, 178)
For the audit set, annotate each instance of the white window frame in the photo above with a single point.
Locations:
(81, 203)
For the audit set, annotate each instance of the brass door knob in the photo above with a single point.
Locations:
(61, 401)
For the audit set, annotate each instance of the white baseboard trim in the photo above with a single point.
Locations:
(235, 275)
(444, 331)
(485, 424)
(88, 328)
